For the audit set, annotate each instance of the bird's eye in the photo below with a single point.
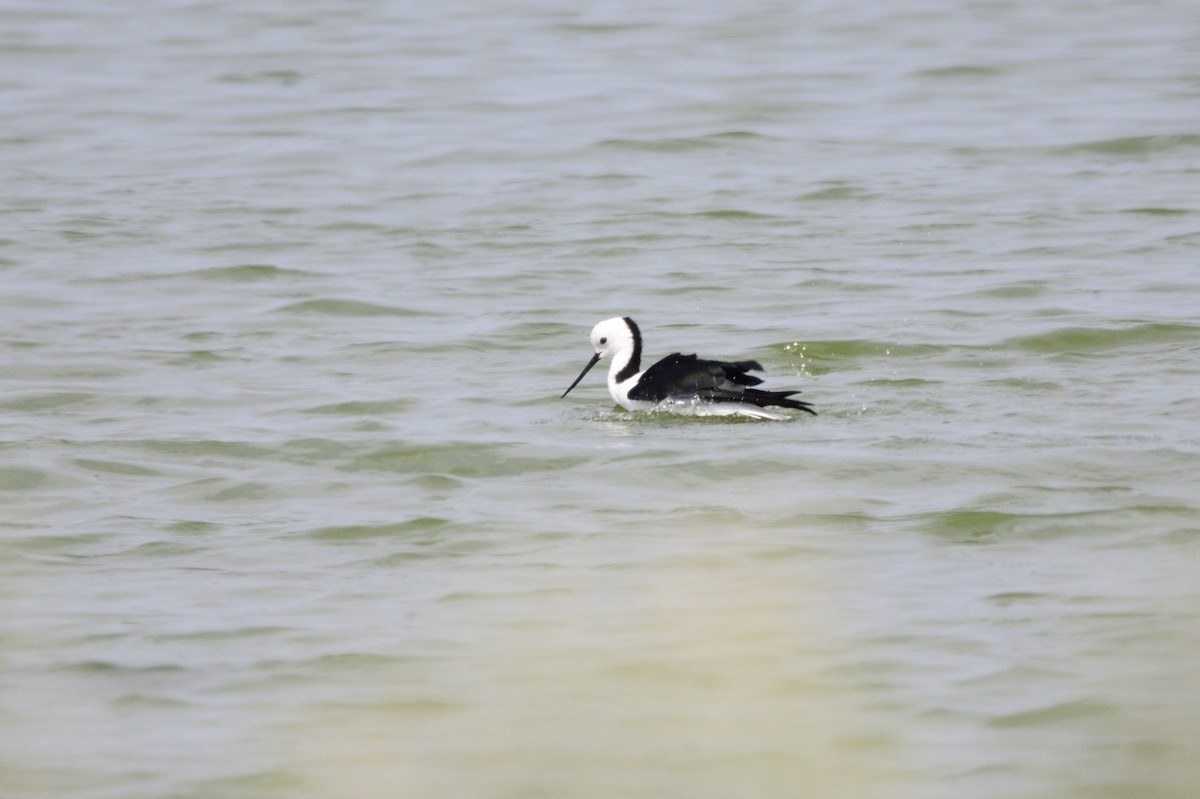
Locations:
(604, 339)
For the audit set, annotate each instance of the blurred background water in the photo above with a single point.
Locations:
(290, 507)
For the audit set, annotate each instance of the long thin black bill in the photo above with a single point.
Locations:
(586, 369)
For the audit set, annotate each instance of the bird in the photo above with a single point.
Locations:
(681, 383)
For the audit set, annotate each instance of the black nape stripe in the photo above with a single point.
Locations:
(635, 362)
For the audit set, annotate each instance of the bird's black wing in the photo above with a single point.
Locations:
(679, 375)
(686, 377)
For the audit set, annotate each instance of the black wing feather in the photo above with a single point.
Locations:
(680, 376)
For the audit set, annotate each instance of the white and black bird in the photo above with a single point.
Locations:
(681, 383)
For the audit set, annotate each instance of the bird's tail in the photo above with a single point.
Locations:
(781, 399)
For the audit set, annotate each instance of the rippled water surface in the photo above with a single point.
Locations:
(290, 506)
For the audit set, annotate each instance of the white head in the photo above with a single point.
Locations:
(618, 338)
(613, 336)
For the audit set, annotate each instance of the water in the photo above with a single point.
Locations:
(290, 505)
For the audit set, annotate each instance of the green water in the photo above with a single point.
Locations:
(289, 503)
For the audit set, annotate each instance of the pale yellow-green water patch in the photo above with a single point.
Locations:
(710, 679)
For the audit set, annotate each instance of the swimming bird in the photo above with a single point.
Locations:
(680, 383)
